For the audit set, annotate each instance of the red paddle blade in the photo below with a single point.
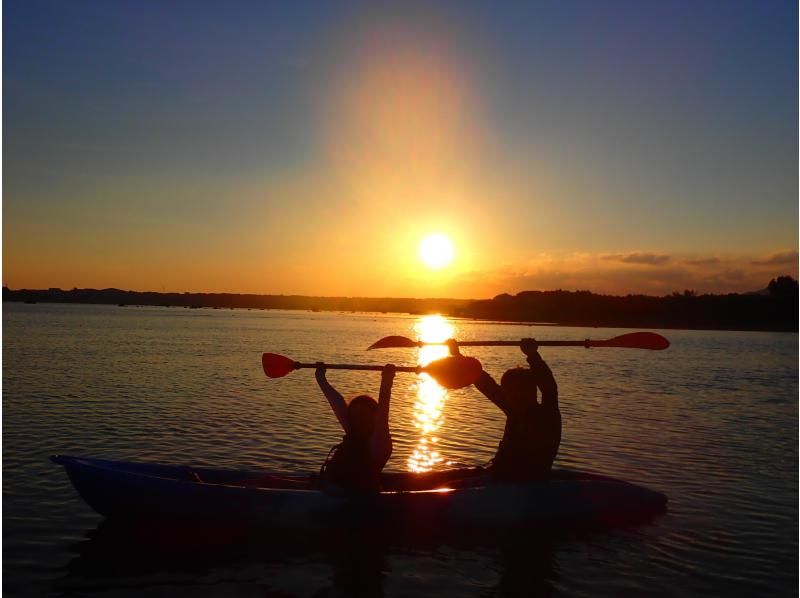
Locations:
(391, 342)
(638, 340)
(276, 366)
(456, 371)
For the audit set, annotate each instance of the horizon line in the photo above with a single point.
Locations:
(59, 289)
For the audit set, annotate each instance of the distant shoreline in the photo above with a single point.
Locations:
(757, 312)
(235, 300)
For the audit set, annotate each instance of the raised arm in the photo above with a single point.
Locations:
(542, 374)
(380, 435)
(335, 399)
(485, 384)
(492, 391)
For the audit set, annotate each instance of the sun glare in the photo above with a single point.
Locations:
(428, 407)
(436, 251)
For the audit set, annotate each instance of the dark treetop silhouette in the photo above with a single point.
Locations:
(774, 308)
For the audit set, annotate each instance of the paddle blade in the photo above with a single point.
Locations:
(456, 371)
(638, 340)
(276, 366)
(393, 342)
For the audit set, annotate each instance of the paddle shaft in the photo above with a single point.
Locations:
(587, 343)
(633, 340)
(345, 366)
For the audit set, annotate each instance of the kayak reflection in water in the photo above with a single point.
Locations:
(533, 429)
(355, 464)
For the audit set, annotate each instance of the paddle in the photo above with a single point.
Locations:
(633, 340)
(452, 372)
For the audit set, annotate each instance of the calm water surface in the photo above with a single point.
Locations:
(712, 422)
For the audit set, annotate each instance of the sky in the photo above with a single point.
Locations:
(307, 147)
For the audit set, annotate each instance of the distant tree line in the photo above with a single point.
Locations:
(233, 300)
(775, 308)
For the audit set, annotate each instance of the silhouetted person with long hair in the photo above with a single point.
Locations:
(533, 428)
(355, 464)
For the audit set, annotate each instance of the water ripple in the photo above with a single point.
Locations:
(712, 422)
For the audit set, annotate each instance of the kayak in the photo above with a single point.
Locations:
(121, 490)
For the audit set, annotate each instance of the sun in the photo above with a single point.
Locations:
(436, 251)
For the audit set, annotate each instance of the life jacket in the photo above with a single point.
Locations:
(529, 445)
(349, 466)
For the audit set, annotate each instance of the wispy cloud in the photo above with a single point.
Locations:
(649, 259)
(707, 261)
(619, 274)
(777, 259)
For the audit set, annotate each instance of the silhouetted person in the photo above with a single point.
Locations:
(355, 464)
(533, 429)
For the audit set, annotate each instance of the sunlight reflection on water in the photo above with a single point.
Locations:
(430, 397)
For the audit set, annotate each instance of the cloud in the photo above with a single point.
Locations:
(610, 274)
(735, 275)
(778, 259)
(648, 259)
(708, 261)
